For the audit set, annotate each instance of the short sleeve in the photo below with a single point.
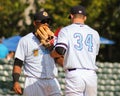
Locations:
(62, 38)
(20, 51)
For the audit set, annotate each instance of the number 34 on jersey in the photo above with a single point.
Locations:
(88, 41)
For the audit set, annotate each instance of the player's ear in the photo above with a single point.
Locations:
(34, 23)
(71, 16)
(85, 18)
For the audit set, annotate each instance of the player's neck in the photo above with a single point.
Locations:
(78, 21)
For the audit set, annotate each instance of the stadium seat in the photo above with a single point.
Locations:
(108, 79)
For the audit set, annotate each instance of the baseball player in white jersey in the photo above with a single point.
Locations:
(38, 66)
(78, 44)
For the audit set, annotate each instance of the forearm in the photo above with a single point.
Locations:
(17, 70)
(59, 59)
(54, 54)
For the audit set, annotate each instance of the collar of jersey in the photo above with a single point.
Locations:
(79, 23)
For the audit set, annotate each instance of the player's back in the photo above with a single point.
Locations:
(83, 44)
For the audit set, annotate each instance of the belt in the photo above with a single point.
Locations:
(72, 69)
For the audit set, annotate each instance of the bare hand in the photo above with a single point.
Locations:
(17, 88)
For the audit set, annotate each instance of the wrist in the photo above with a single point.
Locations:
(15, 77)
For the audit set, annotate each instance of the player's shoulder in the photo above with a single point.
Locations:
(68, 27)
(91, 29)
(27, 37)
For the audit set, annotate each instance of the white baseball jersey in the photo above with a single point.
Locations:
(37, 61)
(82, 45)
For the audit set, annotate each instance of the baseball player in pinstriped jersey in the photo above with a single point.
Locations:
(78, 44)
(39, 68)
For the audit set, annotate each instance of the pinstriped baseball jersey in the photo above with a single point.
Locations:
(82, 45)
(37, 61)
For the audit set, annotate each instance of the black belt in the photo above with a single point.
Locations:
(72, 69)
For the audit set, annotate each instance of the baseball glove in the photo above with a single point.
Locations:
(45, 35)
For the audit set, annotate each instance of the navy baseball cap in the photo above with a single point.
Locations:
(78, 10)
(40, 16)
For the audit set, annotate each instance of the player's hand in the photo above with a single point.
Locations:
(17, 88)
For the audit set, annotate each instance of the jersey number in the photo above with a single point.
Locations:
(88, 42)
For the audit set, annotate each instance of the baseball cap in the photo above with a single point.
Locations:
(78, 10)
(41, 16)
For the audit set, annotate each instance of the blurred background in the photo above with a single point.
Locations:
(103, 15)
(16, 18)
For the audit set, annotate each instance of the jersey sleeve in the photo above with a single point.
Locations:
(20, 51)
(62, 40)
